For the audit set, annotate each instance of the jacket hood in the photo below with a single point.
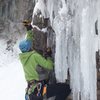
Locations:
(25, 56)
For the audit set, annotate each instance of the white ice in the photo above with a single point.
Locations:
(76, 43)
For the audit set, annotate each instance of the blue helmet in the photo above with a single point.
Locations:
(25, 45)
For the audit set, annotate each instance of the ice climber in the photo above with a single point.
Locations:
(36, 68)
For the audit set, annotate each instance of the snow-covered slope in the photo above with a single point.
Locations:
(12, 82)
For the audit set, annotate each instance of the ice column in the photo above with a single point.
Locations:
(76, 42)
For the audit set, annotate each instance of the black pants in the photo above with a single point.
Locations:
(60, 90)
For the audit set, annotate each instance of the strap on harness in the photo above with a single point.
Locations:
(41, 88)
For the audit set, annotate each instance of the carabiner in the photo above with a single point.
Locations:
(39, 85)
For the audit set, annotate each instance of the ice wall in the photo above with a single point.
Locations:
(12, 13)
(76, 42)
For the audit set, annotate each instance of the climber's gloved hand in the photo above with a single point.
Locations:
(48, 52)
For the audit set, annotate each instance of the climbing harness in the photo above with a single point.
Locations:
(40, 89)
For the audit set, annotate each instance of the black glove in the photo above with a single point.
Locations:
(48, 52)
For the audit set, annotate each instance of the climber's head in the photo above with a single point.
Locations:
(27, 24)
(25, 45)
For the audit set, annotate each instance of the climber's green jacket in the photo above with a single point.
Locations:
(29, 35)
(30, 61)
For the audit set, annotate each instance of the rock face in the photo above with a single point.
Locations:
(40, 41)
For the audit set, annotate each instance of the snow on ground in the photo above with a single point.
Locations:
(12, 82)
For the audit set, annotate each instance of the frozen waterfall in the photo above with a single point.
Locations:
(76, 42)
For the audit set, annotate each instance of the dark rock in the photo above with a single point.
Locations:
(40, 41)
